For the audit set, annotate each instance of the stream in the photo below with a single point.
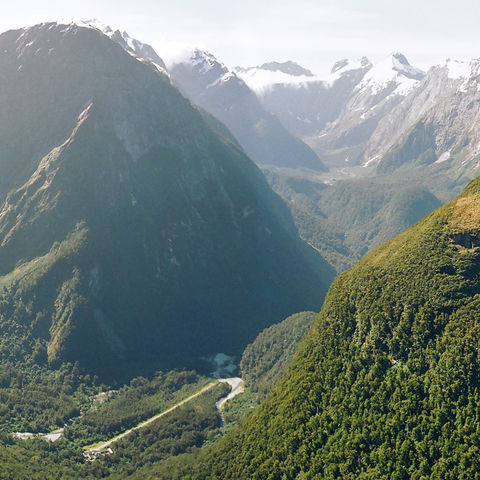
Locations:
(237, 388)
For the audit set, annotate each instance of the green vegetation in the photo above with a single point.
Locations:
(135, 227)
(386, 384)
(345, 220)
(131, 404)
(182, 430)
(265, 360)
(238, 407)
(37, 399)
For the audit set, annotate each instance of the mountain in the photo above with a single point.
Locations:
(428, 127)
(211, 85)
(134, 47)
(390, 117)
(289, 67)
(383, 87)
(385, 385)
(440, 126)
(304, 103)
(131, 231)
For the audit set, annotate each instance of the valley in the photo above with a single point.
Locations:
(158, 206)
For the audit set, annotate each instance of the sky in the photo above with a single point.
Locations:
(251, 32)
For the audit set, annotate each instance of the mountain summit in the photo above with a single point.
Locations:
(289, 67)
(222, 92)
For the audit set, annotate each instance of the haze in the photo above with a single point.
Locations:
(313, 33)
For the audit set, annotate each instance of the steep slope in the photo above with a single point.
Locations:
(437, 123)
(371, 211)
(304, 103)
(211, 85)
(385, 385)
(134, 47)
(265, 359)
(380, 90)
(132, 232)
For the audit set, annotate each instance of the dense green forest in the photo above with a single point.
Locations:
(386, 384)
(184, 429)
(346, 220)
(264, 360)
(139, 400)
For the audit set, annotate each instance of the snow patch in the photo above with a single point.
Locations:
(223, 79)
(347, 65)
(443, 157)
(458, 69)
(371, 160)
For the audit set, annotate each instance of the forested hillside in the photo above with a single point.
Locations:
(385, 386)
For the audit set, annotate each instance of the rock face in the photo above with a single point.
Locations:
(209, 84)
(383, 87)
(304, 103)
(437, 122)
(130, 230)
(388, 116)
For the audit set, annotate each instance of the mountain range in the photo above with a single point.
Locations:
(342, 118)
(154, 213)
(382, 116)
(210, 84)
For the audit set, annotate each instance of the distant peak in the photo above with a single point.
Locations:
(339, 65)
(95, 23)
(205, 61)
(289, 67)
(401, 58)
(401, 65)
(134, 47)
(346, 65)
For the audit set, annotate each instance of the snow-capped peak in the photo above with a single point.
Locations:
(395, 69)
(458, 69)
(134, 47)
(97, 24)
(346, 65)
(205, 61)
(401, 65)
(265, 77)
(289, 68)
